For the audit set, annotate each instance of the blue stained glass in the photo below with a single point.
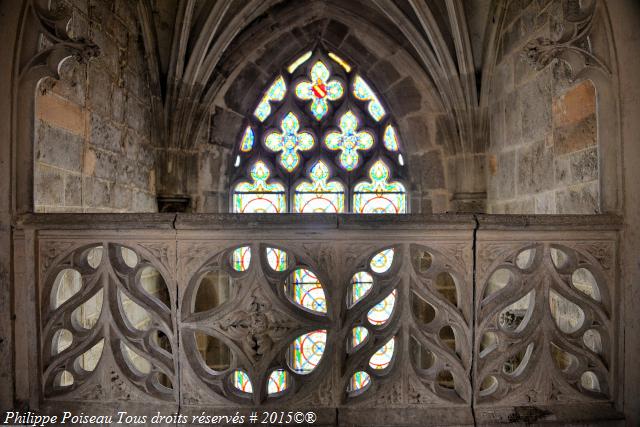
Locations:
(359, 381)
(277, 259)
(277, 382)
(349, 141)
(358, 335)
(319, 90)
(381, 359)
(381, 312)
(305, 289)
(319, 195)
(361, 284)
(390, 138)
(275, 93)
(247, 140)
(379, 195)
(382, 261)
(259, 196)
(241, 381)
(289, 142)
(363, 92)
(241, 258)
(306, 351)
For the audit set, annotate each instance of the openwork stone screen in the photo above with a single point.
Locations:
(449, 319)
(319, 140)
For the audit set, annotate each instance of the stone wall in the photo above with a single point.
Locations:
(93, 149)
(543, 156)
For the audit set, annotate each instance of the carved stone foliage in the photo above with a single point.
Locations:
(106, 313)
(569, 40)
(544, 319)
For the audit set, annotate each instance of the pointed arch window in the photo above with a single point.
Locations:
(319, 140)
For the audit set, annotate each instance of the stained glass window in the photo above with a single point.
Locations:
(277, 259)
(305, 147)
(382, 261)
(277, 382)
(241, 258)
(381, 359)
(361, 284)
(379, 195)
(305, 289)
(306, 351)
(349, 141)
(359, 381)
(260, 196)
(382, 311)
(358, 335)
(241, 381)
(319, 195)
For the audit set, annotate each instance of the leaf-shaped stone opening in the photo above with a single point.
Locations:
(517, 363)
(213, 290)
(525, 258)
(63, 379)
(161, 340)
(583, 280)
(129, 257)
(153, 284)
(382, 358)
(593, 341)
(277, 259)
(382, 261)
(305, 290)
(488, 386)
(215, 353)
(278, 382)
(163, 380)
(589, 381)
(516, 316)
(67, 283)
(569, 317)
(359, 335)
(445, 379)
(241, 258)
(488, 343)
(136, 362)
(87, 314)
(559, 258)
(422, 310)
(564, 360)
(94, 256)
(62, 340)
(446, 285)
(358, 382)
(361, 284)
(241, 381)
(423, 260)
(422, 358)
(498, 280)
(448, 337)
(90, 358)
(306, 351)
(381, 312)
(137, 317)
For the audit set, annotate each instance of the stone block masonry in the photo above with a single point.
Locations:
(93, 149)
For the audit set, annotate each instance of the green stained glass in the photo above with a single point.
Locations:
(247, 140)
(358, 335)
(363, 92)
(349, 141)
(277, 382)
(381, 312)
(379, 195)
(390, 138)
(304, 289)
(241, 258)
(306, 351)
(359, 381)
(275, 93)
(381, 262)
(381, 359)
(241, 381)
(259, 196)
(319, 90)
(277, 259)
(361, 284)
(319, 195)
(289, 142)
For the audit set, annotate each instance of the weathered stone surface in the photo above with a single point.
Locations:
(72, 190)
(535, 168)
(577, 136)
(512, 120)
(105, 134)
(99, 92)
(503, 183)
(96, 193)
(384, 73)
(545, 203)
(420, 133)
(581, 199)
(49, 186)
(59, 148)
(58, 112)
(404, 97)
(432, 171)
(535, 108)
(240, 93)
(575, 105)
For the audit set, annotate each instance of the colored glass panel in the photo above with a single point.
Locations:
(319, 90)
(379, 195)
(363, 92)
(382, 311)
(275, 93)
(277, 259)
(242, 382)
(361, 284)
(289, 142)
(359, 381)
(390, 138)
(319, 195)
(241, 258)
(381, 359)
(340, 61)
(298, 62)
(277, 381)
(382, 261)
(247, 140)
(358, 335)
(349, 141)
(306, 351)
(259, 196)
(305, 289)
